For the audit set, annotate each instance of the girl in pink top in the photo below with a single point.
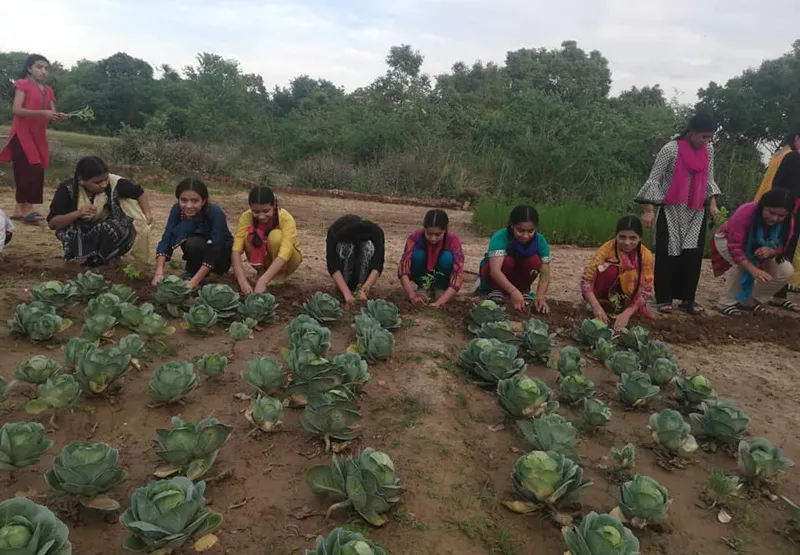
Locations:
(27, 149)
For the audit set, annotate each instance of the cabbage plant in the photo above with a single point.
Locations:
(537, 341)
(603, 350)
(331, 415)
(524, 397)
(241, 331)
(199, 319)
(570, 361)
(353, 369)
(550, 432)
(589, 332)
(174, 294)
(124, 293)
(211, 365)
(76, 349)
(305, 333)
(223, 299)
(484, 312)
(644, 501)
(375, 344)
(264, 374)
(22, 444)
(722, 421)
(691, 392)
(101, 368)
(502, 331)
(132, 345)
(760, 460)
(27, 528)
(384, 312)
(105, 304)
(61, 296)
(547, 478)
(633, 339)
(96, 326)
(87, 470)
(172, 382)
(595, 413)
(90, 284)
(636, 389)
(653, 350)
(153, 326)
(624, 458)
(345, 542)
(575, 388)
(259, 307)
(366, 483)
(487, 361)
(600, 534)
(322, 307)
(663, 371)
(166, 514)
(60, 391)
(37, 370)
(624, 362)
(190, 447)
(672, 433)
(265, 413)
(132, 316)
(37, 321)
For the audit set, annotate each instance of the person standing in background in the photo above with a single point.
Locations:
(679, 196)
(27, 149)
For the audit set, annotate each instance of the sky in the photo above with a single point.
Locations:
(680, 44)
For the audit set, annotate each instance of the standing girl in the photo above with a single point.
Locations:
(618, 279)
(355, 251)
(433, 260)
(517, 255)
(87, 215)
(200, 229)
(748, 249)
(679, 196)
(27, 150)
(267, 235)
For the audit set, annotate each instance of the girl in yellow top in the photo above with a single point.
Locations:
(267, 235)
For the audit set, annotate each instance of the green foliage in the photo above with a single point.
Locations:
(384, 312)
(153, 326)
(524, 397)
(60, 391)
(22, 444)
(90, 284)
(192, 447)
(259, 307)
(322, 307)
(760, 460)
(166, 514)
(172, 382)
(200, 319)
(345, 542)
(101, 368)
(595, 413)
(173, 293)
(375, 343)
(85, 469)
(600, 534)
(26, 527)
(691, 392)
(590, 332)
(625, 457)
(241, 331)
(624, 362)
(37, 370)
(265, 413)
(211, 365)
(105, 304)
(37, 321)
(603, 350)
(60, 296)
(96, 326)
(550, 432)
(537, 341)
(132, 345)
(485, 312)
(487, 361)
(76, 349)
(633, 339)
(221, 298)
(570, 361)
(125, 293)
(548, 478)
(264, 374)
(663, 371)
(672, 433)
(502, 331)
(331, 415)
(575, 388)
(636, 389)
(722, 421)
(644, 501)
(132, 316)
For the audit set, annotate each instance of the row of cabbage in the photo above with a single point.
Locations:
(552, 476)
(165, 514)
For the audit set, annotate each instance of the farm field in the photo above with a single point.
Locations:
(442, 432)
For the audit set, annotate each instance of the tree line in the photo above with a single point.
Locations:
(543, 125)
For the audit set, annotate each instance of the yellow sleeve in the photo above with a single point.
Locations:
(288, 235)
(245, 222)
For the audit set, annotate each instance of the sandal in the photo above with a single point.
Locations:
(497, 296)
(731, 310)
(784, 304)
(665, 308)
(34, 218)
(692, 307)
(792, 288)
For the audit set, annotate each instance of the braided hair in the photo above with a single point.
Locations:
(632, 223)
(521, 214)
(262, 195)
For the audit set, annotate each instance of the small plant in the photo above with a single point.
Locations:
(125, 293)
(672, 433)
(550, 432)
(595, 414)
(721, 487)
(636, 390)
(331, 415)
(259, 307)
(651, 351)
(105, 304)
(199, 320)
(386, 313)
(22, 444)
(87, 470)
(589, 332)
(524, 397)
(61, 296)
(367, 483)
(575, 388)
(37, 370)
(692, 392)
(59, 392)
(663, 371)
(600, 534)
(487, 361)
(570, 362)
(537, 341)
(322, 307)
(722, 421)
(624, 362)
(190, 447)
(132, 273)
(153, 326)
(97, 326)
(264, 374)
(173, 293)
(211, 365)
(85, 114)
(345, 542)
(643, 501)
(132, 316)
(603, 351)
(172, 382)
(624, 458)
(546, 479)
(633, 339)
(100, 369)
(223, 299)
(76, 349)
(90, 284)
(483, 313)
(760, 460)
(265, 413)
(375, 343)
(37, 322)
(502, 331)
(132, 345)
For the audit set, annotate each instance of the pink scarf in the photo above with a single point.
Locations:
(690, 177)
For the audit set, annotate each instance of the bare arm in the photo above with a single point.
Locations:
(371, 279)
(65, 220)
(544, 281)
(446, 297)
(272, 271)
(144, 204)
(158, 273)
(341, 284)
(198, 278)
(19, 111)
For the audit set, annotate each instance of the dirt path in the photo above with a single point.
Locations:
(437, 427)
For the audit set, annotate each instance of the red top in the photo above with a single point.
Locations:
(31, 132)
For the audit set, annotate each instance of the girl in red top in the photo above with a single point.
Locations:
(27, 149)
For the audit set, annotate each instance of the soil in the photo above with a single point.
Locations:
(439, 429)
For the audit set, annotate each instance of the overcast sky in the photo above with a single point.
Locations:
(679, 44)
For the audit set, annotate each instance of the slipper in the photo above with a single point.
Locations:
(731, 310)
(32, 218)
(691, 307)
(665, 308)
(497, 296)
(793, 288)
(784, 304)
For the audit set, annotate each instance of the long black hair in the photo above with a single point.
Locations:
(87, 168)
(196, 185)
(774, 198)
(631, 223)
(262, 195)
(790, 138)
(521, 214)
(436, 218)
(29, 61)
(700, 122)
(352, 228)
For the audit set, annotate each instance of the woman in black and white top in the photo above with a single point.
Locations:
(355, 250)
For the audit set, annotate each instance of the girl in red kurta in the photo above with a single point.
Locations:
(27, 149)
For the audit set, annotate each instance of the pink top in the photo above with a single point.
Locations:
(31, 132)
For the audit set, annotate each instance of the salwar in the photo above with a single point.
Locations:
(607, 290)
(676, 277)
(437, 279)
(28, 178)
(791, 254)
(355, 259)
(521, 272)
(781, 272)
(97, 243)
(198, 252)
(261, 258)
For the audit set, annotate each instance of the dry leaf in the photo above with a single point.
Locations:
(724, 517)
(205, 543)
(101, 503)
(166, 471)
(520, 507)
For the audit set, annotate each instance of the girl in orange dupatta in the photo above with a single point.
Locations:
(618, 279)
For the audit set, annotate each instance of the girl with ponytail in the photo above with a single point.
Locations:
(267, 236)
(433, 260)
(618, 280)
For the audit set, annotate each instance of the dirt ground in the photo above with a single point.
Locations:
(436, 426)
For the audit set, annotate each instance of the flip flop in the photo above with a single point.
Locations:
(692, 307)
(784, 304)
(732, 310)
(32, 218)
(665, 308)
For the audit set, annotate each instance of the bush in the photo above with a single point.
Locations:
(324, 172)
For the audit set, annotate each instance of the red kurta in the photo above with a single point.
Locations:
(31, 132)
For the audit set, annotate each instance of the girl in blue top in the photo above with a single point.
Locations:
(517, 255)
(200, 229)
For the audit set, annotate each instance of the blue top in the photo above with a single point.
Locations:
(213, 226)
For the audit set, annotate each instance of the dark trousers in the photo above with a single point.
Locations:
(791, 249)
(196, 252)
(28, 179)
(677, 277)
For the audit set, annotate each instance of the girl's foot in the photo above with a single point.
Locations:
(666, 308)
(731, 310)
(784, 304)
(692, 307)
(497, 296)
(793, 288)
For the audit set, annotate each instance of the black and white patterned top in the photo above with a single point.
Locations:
(683, 223)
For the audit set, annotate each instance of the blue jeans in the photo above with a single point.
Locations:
(441, 274)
